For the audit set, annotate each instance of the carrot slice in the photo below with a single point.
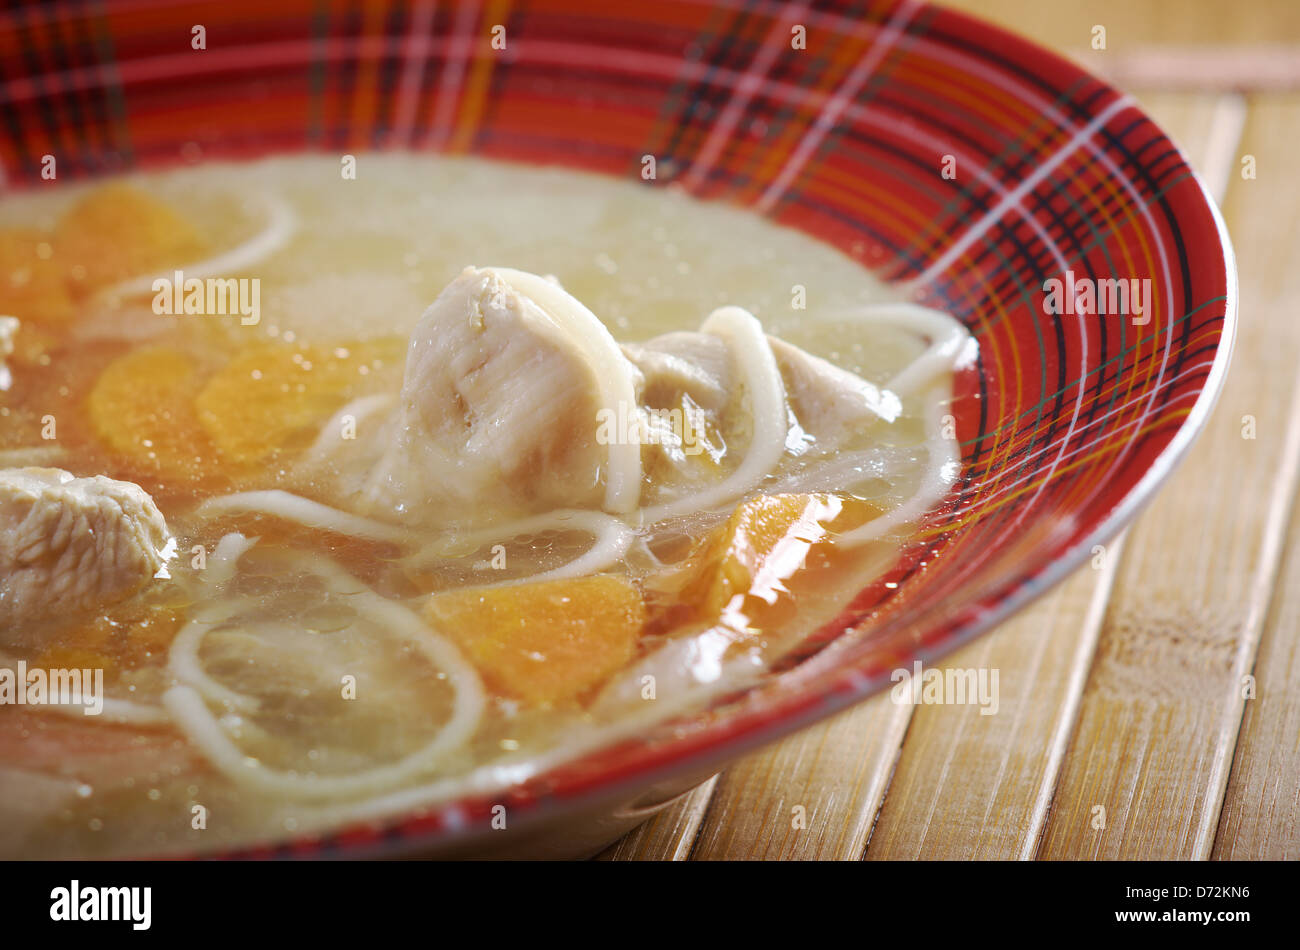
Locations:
(128, 636)
(274, 396)
(141, 407)
(32, 286)
(744, 574)
(545, 643)
(118, 231)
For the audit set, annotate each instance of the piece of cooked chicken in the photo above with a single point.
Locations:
(68, 544)
(506, 378)
(828, 402)
(684, 361)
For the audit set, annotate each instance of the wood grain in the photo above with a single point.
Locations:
(1261, 813)
(977, 786)
(1135, 24)
(1163, 704)
(813, 796)
(669, 835)
(1260, 819)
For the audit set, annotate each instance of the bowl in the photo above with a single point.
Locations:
(968, 166)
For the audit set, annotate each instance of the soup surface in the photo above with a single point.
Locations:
(330, 551)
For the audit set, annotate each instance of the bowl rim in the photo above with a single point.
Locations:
(445, 825)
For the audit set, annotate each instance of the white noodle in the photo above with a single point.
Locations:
(331, 433)
(948, 346)
(187, 666)
(8, 329)
(280, 225)
(191, 714)
(114, 710)
(225, 557)
(612, 539)
(846, 468)
(183, 657)
(612, 536)
(766, 392)
(943, 465)
(614, 377)
(635, 721)
(306, 512)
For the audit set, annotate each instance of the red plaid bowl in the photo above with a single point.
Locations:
(1067, 424)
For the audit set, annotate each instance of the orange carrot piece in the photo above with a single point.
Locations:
(545, 643)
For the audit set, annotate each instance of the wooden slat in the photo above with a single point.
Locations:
(1261, 813)
(1163, 705)
(1260, 819)
(1130, 25)
(973, 786)
(836, 773)
(977, 786)
(669, 835)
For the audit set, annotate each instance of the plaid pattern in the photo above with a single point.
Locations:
(1066, 423)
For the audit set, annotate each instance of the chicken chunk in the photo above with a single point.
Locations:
(512, 389)
(827, 402)
(68, 544)
(506, 379)
(697, 364)
(830, 402)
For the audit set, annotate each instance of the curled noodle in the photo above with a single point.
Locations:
(187, 702)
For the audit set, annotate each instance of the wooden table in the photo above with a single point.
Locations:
(1150, 705)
